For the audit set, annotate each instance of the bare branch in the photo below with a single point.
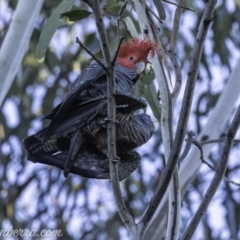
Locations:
(153, 13)
(126, 217)
(189, 141)
(91, 54)
(187, 100)
(217, 177)
(218, 140)
(122, 8)
(199, 145)
(118, 48)
(191, 164)
(178, 5)
(149, 30)
(175, 29)
(171, 49)
(112, 19)
(178, 75)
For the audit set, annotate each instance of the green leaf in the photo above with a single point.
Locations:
(51, 26)
(131, 27)
(76, 15)
(160, 9)
(51, 60)
(113, 46)
(113, 7)
(148, 90)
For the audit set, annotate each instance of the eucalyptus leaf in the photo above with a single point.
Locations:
(131, 27)
(51, 60)
(51, 26)
(113, 7)
(160, 9)
(148, 90)
(76, 15)
(113, 45)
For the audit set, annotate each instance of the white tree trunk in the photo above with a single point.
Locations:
(16, 42)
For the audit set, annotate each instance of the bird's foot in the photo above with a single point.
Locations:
(116, 160)
(107, 120)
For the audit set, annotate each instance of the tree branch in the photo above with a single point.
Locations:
(171, 50)
(199, 145)
(118, 48)
(126, 217)
(91, 54)
(178, 5)
(166, 123)
(189, 141)
(217, 177)
(213, 129)
(174, 186)
(178, 76)
(187, 100)
(122, 8)
(218, 141)
(186, 105)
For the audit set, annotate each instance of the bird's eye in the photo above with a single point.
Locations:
(131, 58)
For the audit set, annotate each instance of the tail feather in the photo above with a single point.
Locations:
(31, 144)
(90, 162)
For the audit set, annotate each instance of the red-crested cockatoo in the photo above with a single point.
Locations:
(78, 122)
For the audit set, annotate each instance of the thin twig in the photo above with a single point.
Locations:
(178, 75)
(153, 13)
(189, 141)
(122, 8)
(118, 48)
(174, 190)
(217, 178)
(199, 146)
(112, 19)
(120, 18)
(191, 164)
(151, 29)
(224, 177)
(180, 6)
(171, 49)
(175, 30)
(218, 140)
(91, 54)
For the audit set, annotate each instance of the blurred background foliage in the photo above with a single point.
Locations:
(36, 196)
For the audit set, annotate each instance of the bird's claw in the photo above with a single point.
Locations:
(110, 120)
(116, 160)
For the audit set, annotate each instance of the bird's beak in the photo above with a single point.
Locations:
(140, 66)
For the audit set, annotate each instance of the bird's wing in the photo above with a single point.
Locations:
(79, 116)
(75, 120)
(80, 113)
(94, 73)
